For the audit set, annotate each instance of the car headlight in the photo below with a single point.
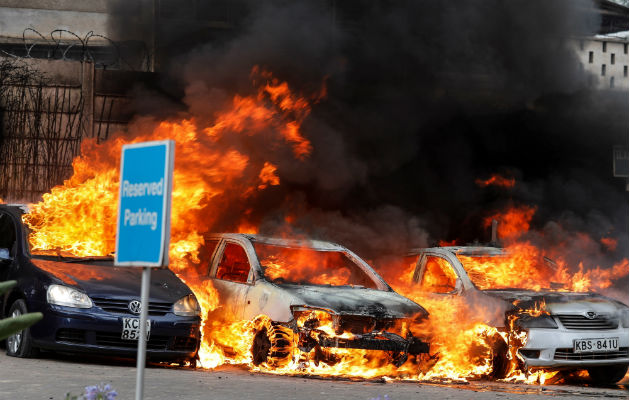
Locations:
(623, 316)
(543, 321)
(67, 296)
(313, 318)
(187, 307)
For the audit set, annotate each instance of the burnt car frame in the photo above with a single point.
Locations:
(296, 309)
(87, 301)
(555, 338)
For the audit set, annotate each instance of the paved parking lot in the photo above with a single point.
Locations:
(53, 376)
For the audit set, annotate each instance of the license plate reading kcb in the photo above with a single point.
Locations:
(131, 328)
(590, 345)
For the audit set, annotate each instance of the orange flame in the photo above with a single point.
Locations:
(515, 221)
(609, 243)
(496, 180)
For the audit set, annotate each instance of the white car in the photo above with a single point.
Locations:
(578, 330)
(316, 295)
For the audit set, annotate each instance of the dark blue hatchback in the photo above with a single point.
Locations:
(89, 305)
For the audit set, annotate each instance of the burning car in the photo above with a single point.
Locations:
(315, 296)
(564, 330)
(88, 304)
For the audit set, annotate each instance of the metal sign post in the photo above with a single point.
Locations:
(141, 358)
(144, 216)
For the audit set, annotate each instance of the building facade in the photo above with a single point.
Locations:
(605, 58)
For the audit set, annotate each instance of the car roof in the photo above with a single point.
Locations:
(276, 241)
(462, 250)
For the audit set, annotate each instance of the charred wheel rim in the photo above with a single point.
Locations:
(260, 347)
(273, 345)
(15, 341)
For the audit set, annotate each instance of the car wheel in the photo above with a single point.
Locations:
(608, 375)
(20, 344)
(273, 346)
(500, 362)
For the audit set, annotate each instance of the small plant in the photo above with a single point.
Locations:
(97, 392)
(12, 325)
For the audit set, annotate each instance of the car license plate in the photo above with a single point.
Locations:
(131, 329)
(590, 345)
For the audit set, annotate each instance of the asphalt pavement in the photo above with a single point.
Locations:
(53, 376)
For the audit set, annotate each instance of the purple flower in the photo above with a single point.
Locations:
(100, 392)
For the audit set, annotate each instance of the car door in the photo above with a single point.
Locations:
(7, 251)
(232, 277)
(7, 245)
(436, 276)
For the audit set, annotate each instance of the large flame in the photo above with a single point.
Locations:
(79, 217)
(462, 342)
(216, 169)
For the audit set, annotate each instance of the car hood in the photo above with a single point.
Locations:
(561, 302)
(354, 301)
(114, 282)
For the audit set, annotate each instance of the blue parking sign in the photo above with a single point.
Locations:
(144, 204)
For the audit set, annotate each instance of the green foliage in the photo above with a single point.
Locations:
(9, 326)
(6, 286)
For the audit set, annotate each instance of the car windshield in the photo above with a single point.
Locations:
(307, 266)
(63, 255)
(510, 271)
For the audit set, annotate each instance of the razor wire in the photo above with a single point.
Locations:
(62, 43)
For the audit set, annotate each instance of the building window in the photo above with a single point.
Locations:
(604, 47)
(603, 69)
(625, 48)
(581, 45)
(612, 58)
(625, 71)
(612, 82)
(590, 57)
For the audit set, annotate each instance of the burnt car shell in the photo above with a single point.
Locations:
(569, 317)
(362, 310)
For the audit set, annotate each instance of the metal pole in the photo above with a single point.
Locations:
(142, 341)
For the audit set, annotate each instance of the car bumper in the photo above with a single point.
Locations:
(77, 330)
(384, 341)
(553, 348)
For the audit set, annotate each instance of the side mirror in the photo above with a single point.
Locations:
(458, 285)
(5, 254)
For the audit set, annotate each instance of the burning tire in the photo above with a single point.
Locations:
(608, 375)
(273, 345)
(500, 361)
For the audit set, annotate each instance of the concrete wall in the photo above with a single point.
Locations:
(78, 16)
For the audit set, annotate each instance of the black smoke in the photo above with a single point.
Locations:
(424, 97)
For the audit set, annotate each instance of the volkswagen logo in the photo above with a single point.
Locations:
(135, 306)
(590, 315)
